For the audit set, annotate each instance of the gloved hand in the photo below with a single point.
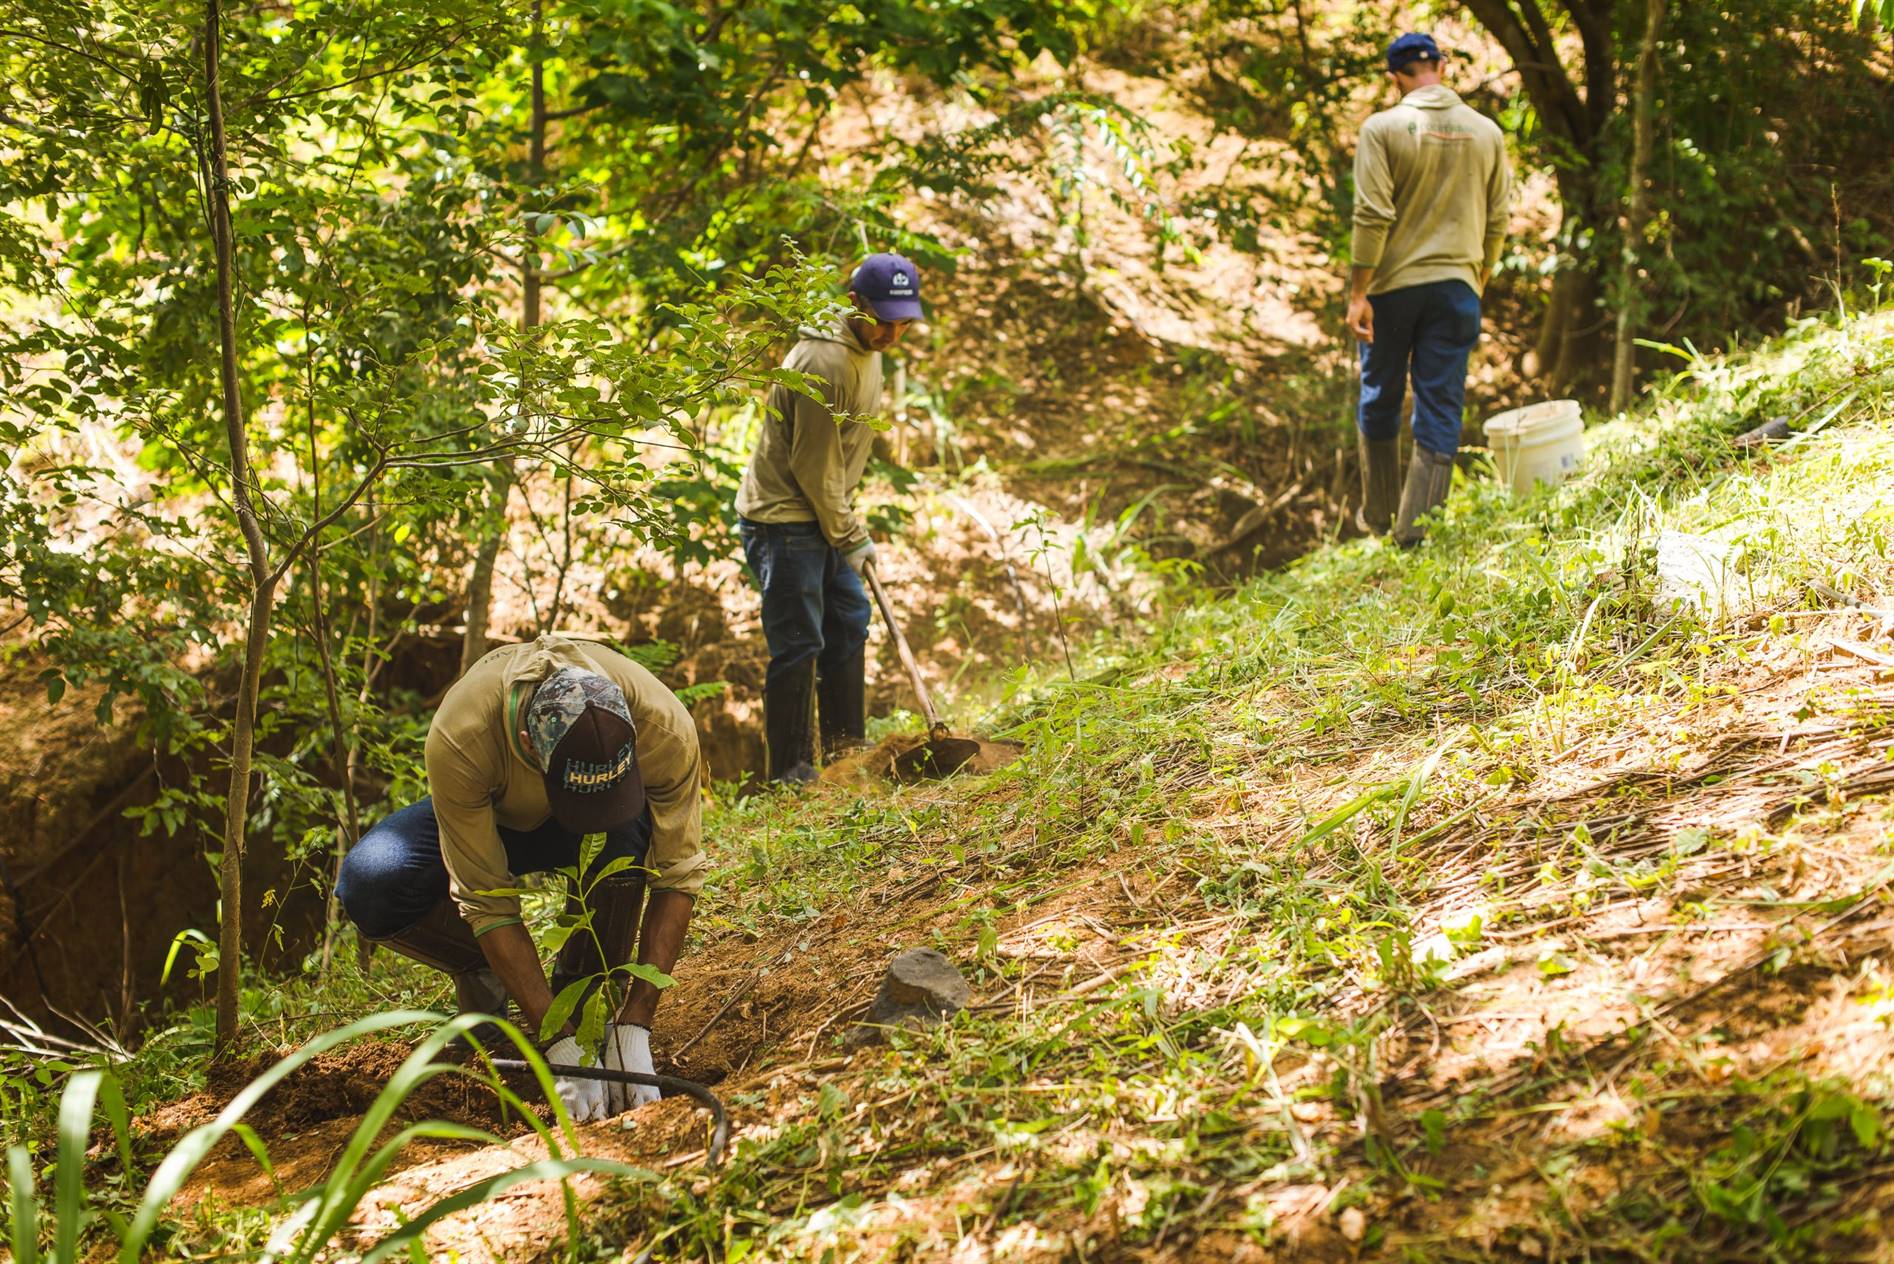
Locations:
(860, 556)
(628, 1048)
(584, 1099)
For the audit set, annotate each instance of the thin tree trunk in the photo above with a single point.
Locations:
(262, 584)
(473, 643)
(1569, 350)
(1551, 335)
(364, 947)
(480, 582)
(536, 166)
(1623, 355)
(1580, 345)
(341, 738)
(342, 744)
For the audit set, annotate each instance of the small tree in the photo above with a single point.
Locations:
(363, 365)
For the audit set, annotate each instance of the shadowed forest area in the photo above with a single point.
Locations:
(1514, 889)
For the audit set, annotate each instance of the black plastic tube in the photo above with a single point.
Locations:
(668, 1084)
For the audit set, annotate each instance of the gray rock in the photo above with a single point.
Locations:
(920, 989)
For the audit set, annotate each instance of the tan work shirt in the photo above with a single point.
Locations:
(806, 465)
(481, 778)
(1432, 191)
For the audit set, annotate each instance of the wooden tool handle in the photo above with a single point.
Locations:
(901, 644)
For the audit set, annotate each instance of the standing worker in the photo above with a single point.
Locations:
(805, 543)
(1431, 192)
(536, 747)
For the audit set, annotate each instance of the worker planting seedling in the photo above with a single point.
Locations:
(537, 747)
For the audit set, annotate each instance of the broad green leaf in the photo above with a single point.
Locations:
(650, 974)
(69, 1193)
(562, 1007)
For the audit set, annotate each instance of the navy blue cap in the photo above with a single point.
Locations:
(1411, 48)
(891, 285)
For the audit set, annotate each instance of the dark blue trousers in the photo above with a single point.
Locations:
(813, 604)
(1425, 332)
(395, 874)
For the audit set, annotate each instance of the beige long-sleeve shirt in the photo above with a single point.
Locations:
(1432, 192)
(481, 778)
(811, 452)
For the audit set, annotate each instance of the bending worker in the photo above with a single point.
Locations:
(536, 747)
(1431, 192)
(805, 543)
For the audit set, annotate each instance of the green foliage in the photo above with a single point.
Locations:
(595, 998)
(390, 218)
(1767, 177)
(1291, 923)
(310, 1219)
(1765, 173)
(1881, 11)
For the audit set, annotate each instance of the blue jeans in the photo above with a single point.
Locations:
(1428, 331)
(813, 604)
(395, 874)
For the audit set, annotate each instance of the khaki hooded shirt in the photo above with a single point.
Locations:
(482, 778)
(811, 453)
(1432, 190)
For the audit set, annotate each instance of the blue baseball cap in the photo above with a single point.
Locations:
(1411, 48)
(891, 286)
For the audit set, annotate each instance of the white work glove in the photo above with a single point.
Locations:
(628, 1048)
(859, 556)
(584, 1099)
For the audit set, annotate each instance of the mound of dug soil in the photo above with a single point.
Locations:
(340, 1084)
(891, 759)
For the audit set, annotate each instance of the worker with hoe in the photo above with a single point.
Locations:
(537, 747)
(1431, 193)
(806, 545)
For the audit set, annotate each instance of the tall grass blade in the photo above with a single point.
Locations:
(196, 1144)
(25, 1207)
(75, 1125)
(1416, 784)
(1349, 811)
(112, 1097)
(258, 1151)
(354, 1173)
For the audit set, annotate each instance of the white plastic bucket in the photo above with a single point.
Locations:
(1540, 443)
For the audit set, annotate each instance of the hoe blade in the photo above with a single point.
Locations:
(937, 757)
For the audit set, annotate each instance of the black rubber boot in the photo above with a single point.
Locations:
(1429, 479)
(1380, 484)
(616, 904)
(842, 705)
(789, 724)
(442, 939)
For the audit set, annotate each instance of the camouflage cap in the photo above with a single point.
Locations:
(581, 728)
